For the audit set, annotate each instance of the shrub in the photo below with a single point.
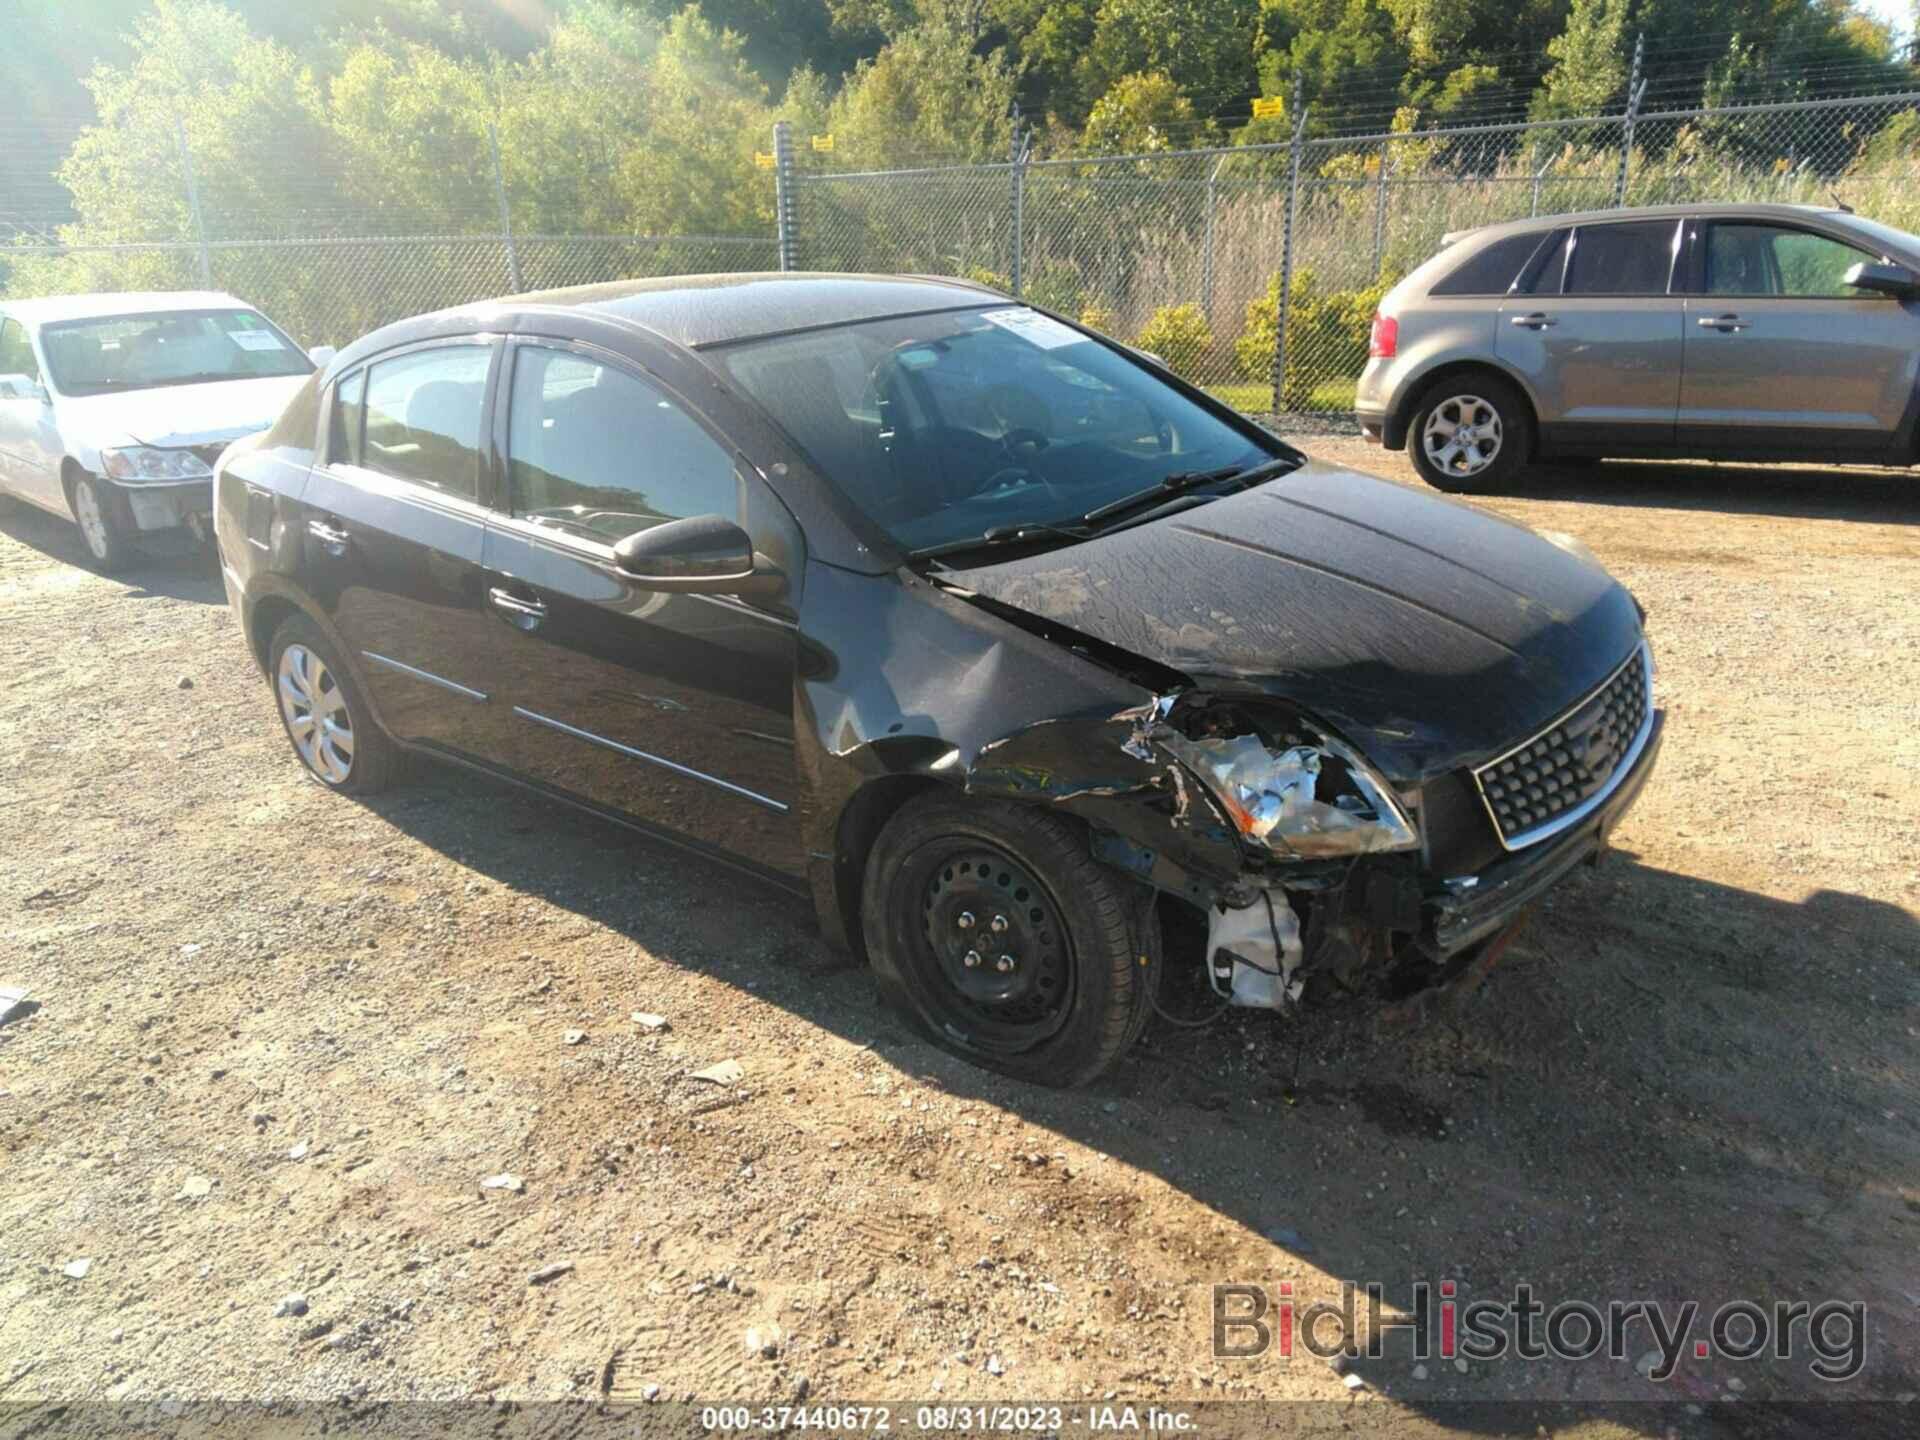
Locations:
(1097, 317)
(1326, 335)
(1178, 334)
(1054, 285)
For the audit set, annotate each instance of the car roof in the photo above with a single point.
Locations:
(700, 310)
(1706, 210)
(49, 309)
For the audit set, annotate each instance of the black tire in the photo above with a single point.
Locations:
(371, 755)
(1084, 938)
(1496, 413)
(97, 510)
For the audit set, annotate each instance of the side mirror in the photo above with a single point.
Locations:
(321, 354)
(1884, 279)
(703, 555)
(22, 387)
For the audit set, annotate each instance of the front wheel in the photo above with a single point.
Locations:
(1471, 435)
(325, 715)
(98, 516)
(994, 931)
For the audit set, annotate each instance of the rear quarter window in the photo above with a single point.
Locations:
(1493, 269)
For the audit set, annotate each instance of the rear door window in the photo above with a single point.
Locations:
(16, 351)
(1492, 271)
(1630, 259)
(349, 419)
(423, 414)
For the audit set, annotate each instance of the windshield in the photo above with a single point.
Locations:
(942, 428)
(176, 347)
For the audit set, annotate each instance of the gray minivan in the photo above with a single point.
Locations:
(1724, 332)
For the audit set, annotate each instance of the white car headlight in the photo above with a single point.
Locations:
(143, 462)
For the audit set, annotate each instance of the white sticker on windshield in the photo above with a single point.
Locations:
(255, 339)
(1042, 330)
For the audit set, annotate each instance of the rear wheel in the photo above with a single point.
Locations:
(1471, 434)
(325, 715)
(96, 511)
(996, 933)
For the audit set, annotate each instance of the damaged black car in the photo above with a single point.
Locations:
(1013, 653)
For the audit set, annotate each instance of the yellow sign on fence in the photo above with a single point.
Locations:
(823, 142)
(1267, 106)
(763, 160)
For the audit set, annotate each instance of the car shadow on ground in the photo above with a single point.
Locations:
(1881, 497)
(173, 565)
(1668, 1089)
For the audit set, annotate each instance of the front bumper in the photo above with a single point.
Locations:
(166, 505)
(1498, 895)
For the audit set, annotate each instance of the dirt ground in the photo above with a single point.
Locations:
(282, 1038)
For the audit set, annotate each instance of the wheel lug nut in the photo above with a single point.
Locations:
(971, 959)
(1005, 963)
(999, 925)
(964, 920)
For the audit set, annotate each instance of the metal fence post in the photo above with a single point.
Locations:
(1636, 88)
(1017, 201)
(193, 203)
(1380, 210)
(783, 195)
(1288, 225)
(1207, 243)
(515, 283)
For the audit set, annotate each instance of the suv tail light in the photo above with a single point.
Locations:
(1384, 342)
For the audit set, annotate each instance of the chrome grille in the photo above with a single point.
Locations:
(1565, 770)
(207, 454)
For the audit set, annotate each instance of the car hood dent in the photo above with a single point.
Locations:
(1431, 633)
(176, 415)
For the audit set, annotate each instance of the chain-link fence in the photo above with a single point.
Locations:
(1188, 253)
(293, 232)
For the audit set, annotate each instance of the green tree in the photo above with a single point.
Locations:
(1143, 112)
(926, 95)
(1590, 59)
(252, 118)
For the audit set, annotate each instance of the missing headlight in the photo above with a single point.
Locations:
(1299, 792)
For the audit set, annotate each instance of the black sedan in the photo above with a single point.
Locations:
(998, 642)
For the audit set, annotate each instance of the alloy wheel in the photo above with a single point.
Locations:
(316, 713)
(997, 950)
(1462, 435)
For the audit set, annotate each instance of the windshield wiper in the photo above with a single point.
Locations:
(1182, 481)
(1002, 535)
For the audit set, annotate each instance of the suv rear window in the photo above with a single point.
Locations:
(1493, 270)
(1632, 259)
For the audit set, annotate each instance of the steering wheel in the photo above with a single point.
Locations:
(1023, 442)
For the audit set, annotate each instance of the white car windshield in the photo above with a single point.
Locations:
(175, 347)
(950, 427)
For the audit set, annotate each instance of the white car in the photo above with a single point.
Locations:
(113, 408)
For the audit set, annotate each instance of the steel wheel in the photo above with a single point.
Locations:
(315, 709)
(1462, 436)
(997, 950)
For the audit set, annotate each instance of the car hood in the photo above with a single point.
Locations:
(1429, 633)
(176, 415)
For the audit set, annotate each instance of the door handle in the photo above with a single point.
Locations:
(1535, 321)
(526, 614)
(1725, 324)
(332, 538)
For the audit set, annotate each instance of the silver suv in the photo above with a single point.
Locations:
(1725, 332)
